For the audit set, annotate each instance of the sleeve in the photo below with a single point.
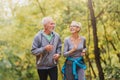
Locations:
(36, 49)
(66, 48)
(59, 46)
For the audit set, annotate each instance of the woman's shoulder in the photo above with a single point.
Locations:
(67, 38)
(82, 37)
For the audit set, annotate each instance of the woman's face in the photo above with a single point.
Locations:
(74, 29)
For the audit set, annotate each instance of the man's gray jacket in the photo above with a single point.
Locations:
(44, 59)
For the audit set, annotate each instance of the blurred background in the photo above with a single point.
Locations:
(20, 20)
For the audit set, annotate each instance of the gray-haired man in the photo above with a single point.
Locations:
(47, 49)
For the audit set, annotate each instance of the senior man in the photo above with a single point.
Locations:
(47, 49)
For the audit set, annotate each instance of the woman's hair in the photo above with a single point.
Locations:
(76, 24)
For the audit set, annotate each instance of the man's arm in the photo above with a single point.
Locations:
(59, 46)
(58, 50)
(36, 48)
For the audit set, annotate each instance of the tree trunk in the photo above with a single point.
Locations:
(87, 55)
(96, 49)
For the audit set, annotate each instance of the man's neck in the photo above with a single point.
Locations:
(47, 32)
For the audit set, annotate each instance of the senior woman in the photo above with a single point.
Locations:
(74, 50)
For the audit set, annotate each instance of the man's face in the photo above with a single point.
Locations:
(50, 26)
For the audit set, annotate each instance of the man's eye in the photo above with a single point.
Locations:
(52, 23)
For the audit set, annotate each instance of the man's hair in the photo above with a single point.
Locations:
(45, 20)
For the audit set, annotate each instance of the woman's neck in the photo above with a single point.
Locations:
(75, 36)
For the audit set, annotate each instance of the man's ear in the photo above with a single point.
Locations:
(45, 26)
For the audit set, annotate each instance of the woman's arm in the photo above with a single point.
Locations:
(67, 52)
(84, 48)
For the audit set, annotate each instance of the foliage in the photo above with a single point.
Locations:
(112, 72)
(20, 21)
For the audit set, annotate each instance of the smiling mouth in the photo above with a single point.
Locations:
(72, 30)
(51, 29)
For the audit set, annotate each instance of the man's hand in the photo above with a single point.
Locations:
(49, 47)
(56, 56)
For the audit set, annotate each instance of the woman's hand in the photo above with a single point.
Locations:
(72, 50)
(83, 53)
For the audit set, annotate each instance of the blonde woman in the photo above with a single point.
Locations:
(74, 50)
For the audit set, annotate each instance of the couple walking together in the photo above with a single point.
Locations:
(47, 49)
